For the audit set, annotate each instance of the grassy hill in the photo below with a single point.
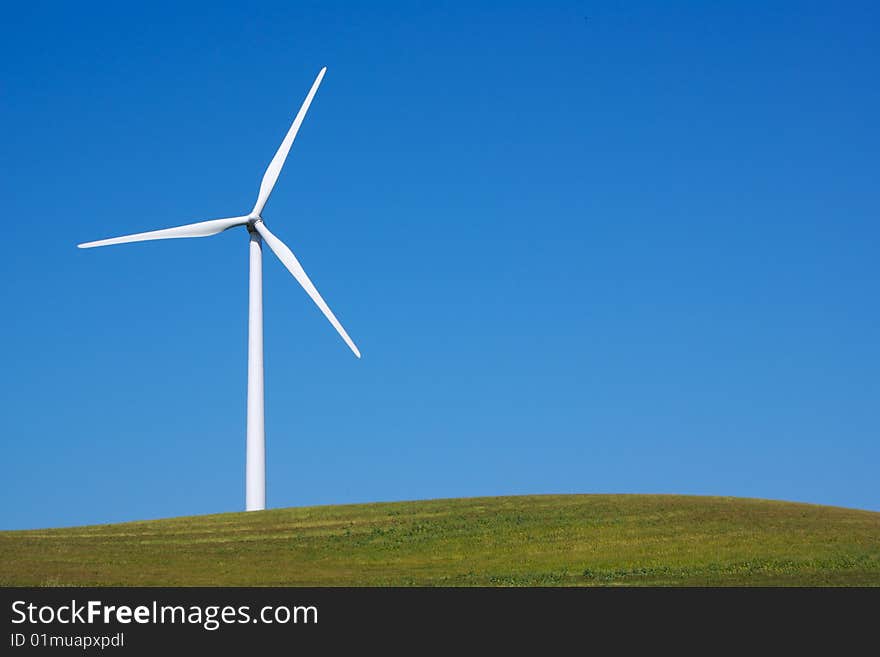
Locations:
(580, 540)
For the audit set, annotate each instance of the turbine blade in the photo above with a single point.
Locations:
(285, 255)
(200, 229)
(274, 169)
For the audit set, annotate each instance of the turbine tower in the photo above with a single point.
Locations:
(255, 469)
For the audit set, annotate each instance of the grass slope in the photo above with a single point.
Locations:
(538, 540)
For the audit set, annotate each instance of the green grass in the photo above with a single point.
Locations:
(565, 540)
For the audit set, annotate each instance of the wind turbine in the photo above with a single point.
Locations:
(255, 470)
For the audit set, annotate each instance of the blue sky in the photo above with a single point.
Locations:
(583, 246)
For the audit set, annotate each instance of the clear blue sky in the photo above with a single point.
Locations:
(585, 247)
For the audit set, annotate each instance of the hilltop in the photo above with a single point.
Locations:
(579, 540)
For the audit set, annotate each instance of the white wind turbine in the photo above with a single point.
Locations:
(256, 437)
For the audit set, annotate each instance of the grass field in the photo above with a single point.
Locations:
(556, 540)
